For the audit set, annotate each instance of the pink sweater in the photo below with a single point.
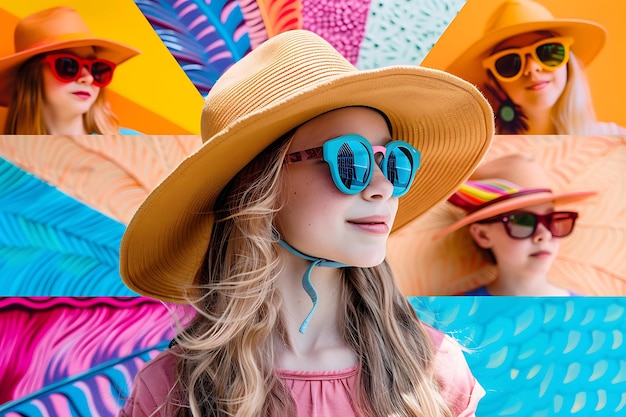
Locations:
(317, 394)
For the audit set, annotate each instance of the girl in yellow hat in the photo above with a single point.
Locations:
(530, 65)
(275, 231)
(55, 81)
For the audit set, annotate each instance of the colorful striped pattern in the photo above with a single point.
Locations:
(474, 193)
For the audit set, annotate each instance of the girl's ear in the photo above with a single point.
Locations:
(480, 235)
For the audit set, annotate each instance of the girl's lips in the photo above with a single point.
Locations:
(373, 228)
(375, 224)
(540, 85)
(541, 254)
(82, 94)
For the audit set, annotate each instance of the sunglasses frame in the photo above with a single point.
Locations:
(489, 63)
(331, 147)
(546, 219)
(51, 59)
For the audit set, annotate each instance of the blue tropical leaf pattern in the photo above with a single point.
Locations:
(204, 37)
(71, 249)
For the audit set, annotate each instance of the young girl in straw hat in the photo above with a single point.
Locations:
(55, 81)
(275, 232)
(512, 216)
(530, 65)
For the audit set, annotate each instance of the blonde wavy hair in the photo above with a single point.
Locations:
(573, 113)
(25, 116)
(226, 355)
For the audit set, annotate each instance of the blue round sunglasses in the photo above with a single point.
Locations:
(351, 161)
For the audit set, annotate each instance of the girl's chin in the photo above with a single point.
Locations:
(365, 262)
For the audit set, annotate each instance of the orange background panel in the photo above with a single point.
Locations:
(607, 73)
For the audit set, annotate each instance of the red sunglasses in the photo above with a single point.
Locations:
(67, 68)
(522, 225)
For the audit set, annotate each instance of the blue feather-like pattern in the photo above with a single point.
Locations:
(52, 244)
(550, 356)
(204, 37)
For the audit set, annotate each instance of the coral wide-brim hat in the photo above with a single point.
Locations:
(285, 82)
(515, 17)
(483, 199)
(50, 30)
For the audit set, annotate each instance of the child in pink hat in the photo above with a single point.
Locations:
(508, 216)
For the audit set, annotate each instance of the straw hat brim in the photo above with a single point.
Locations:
(444, 117)
(589, 39)
(105, 49)
(514, 204)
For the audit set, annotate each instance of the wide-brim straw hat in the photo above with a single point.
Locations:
(285, 82)
(522, 183)
(50, 30)
(515, 17)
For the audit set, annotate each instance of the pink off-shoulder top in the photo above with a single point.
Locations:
(317, 394)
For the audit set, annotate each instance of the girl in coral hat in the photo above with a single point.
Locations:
(55, 81)
(517, 227)
(275, 231)
(530, 65)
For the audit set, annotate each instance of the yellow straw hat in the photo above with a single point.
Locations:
(52, 30)
(515, 17)
(285, 82)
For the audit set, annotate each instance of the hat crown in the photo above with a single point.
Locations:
(506, 177)
(516, 12)
(282, 67)
(48, 26)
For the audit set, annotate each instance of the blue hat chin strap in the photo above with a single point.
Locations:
(306, 278)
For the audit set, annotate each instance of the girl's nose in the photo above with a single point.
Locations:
(542, 233)
(531, 65)
(85, 75)
(379, 186)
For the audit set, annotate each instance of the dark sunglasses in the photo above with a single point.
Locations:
(351, 162)
(522, 225)
(67, 68)
(508, 64)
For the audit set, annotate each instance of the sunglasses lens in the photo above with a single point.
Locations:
(509, 66)
(551, 54)
(353, 166)
(521, 226)
(400, 169)
(561, 224)
(102, 73)
(66, 68)
(351, 161)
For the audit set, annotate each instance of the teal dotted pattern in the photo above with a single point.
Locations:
(401, 32)
(539, 357)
